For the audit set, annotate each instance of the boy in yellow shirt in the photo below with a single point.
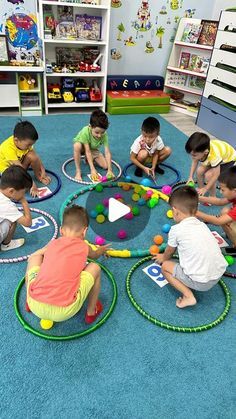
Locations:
(18, 150)
(209, 159)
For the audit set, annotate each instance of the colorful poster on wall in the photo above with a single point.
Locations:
(19, 23)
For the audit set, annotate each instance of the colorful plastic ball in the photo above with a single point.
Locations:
(154, 200)
(105, 212)
(229, 259)
(99, 188)
(99, 208)
(137, 189)
(126, 187)
(151, 203)
(166, 189)
(117, 196)
(166, 228)
(163, 247)
(93, 214)
(100, 219)
(154, 250)
(141, 202)
(169, 214)
(122, 234)
(129, 216)
(142, 192)
(106, 202)
(128, 178)
(146, 182)
(46, 324)
(149, 193)
(100, 241)
(135, 211)
(104, 179)
(146, 197)
(109, 177)
(158, 239)
(135, 197)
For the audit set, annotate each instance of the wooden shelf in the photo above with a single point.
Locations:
(74, 42)
(185, 71)
(78, 74)
(75, 105)
(21, 69)
(80, 5)
(30, 91)
(196, 46)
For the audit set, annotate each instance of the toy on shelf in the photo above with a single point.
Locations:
(68, 84)
(81, 91)
(88, 27)
(68, 96)
(26, 82)
(94, 67)
(54, 93)
(95, 93)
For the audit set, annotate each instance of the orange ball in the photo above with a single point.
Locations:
(120, 200)
(154, 249)
(126, 187)
(158, 239)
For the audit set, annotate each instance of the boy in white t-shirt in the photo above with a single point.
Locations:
(15, 181)
(201, 263)
(149, 148)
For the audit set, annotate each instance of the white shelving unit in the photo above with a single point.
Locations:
(49, 52)
(191, 95)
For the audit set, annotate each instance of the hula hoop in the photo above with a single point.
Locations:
(23, 258)
(125, 170)
(230, 275)
(83, 182)
(91, 329)
(43, 198)
(172, 327)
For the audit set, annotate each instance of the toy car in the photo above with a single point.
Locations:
(68, 96)
(95, 94)
(84, 67)
(54, 93)
(82, 94)
(49, 68)
(68, 83)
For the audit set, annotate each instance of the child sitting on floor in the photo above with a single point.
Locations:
(18, 150)
(58, 279)
(149, 148)
(227, 219)
(209, 159)
(15, 181)
(201, 263)
(88, 141)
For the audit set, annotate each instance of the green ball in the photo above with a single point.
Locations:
(229, 259)
(135, 211)
(191, 183)
(99, 188)
(142, 192)
(109, 177)
(99, 208)
(151, 203)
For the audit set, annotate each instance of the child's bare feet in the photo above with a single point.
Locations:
(182, 302)
(78, 176)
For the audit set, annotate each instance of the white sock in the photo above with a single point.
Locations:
(12, 245)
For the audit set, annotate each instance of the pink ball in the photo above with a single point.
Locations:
(166, 189)
(104, 179)
(100, 241)
(117, 196)
(129, 216)
(149, 193)
(105, 202)
(122, 234)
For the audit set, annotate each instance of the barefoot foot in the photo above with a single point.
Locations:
(78, 176)
(182, 302)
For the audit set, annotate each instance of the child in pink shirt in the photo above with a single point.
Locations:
(58, 279)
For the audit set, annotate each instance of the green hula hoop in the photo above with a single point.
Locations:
(168, 326)
(91, 329)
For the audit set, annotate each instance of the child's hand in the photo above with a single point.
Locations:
(147, 170)
(34, 191)
(201, 191)
(44, 178)
(103, 249)
(110, 174)
(95, 176)
(159, 258)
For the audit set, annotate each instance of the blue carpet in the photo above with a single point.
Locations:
(128, 368)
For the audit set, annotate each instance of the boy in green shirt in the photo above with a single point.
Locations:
(88, 141)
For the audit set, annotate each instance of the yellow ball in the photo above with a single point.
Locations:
(135, 197)
(137, 189)
(126, 187)
(169, 214)
(100, 219)
(46, 324)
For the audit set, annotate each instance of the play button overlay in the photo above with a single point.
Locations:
(116, 210)
(114, 215)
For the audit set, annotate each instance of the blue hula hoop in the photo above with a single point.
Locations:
(43, 198)
(178, 177)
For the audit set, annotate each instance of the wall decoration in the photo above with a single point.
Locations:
(21, 31)
(116, 3)
(115, 54)
(121, 29)
(4, 54)
(130, 42)
(189, 12)
(159, 33)
(149, 48)
(163, 11)
(15, 1)
(143, 22)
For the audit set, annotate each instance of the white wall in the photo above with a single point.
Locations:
(134, 59)
(221, 5)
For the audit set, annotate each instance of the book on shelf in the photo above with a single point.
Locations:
(65, 14)
(66, 30)
(88, 27)
(191, 33)
(198, 63)
(184, 60)
(196, 82)
(176, 79)
(208, 32)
